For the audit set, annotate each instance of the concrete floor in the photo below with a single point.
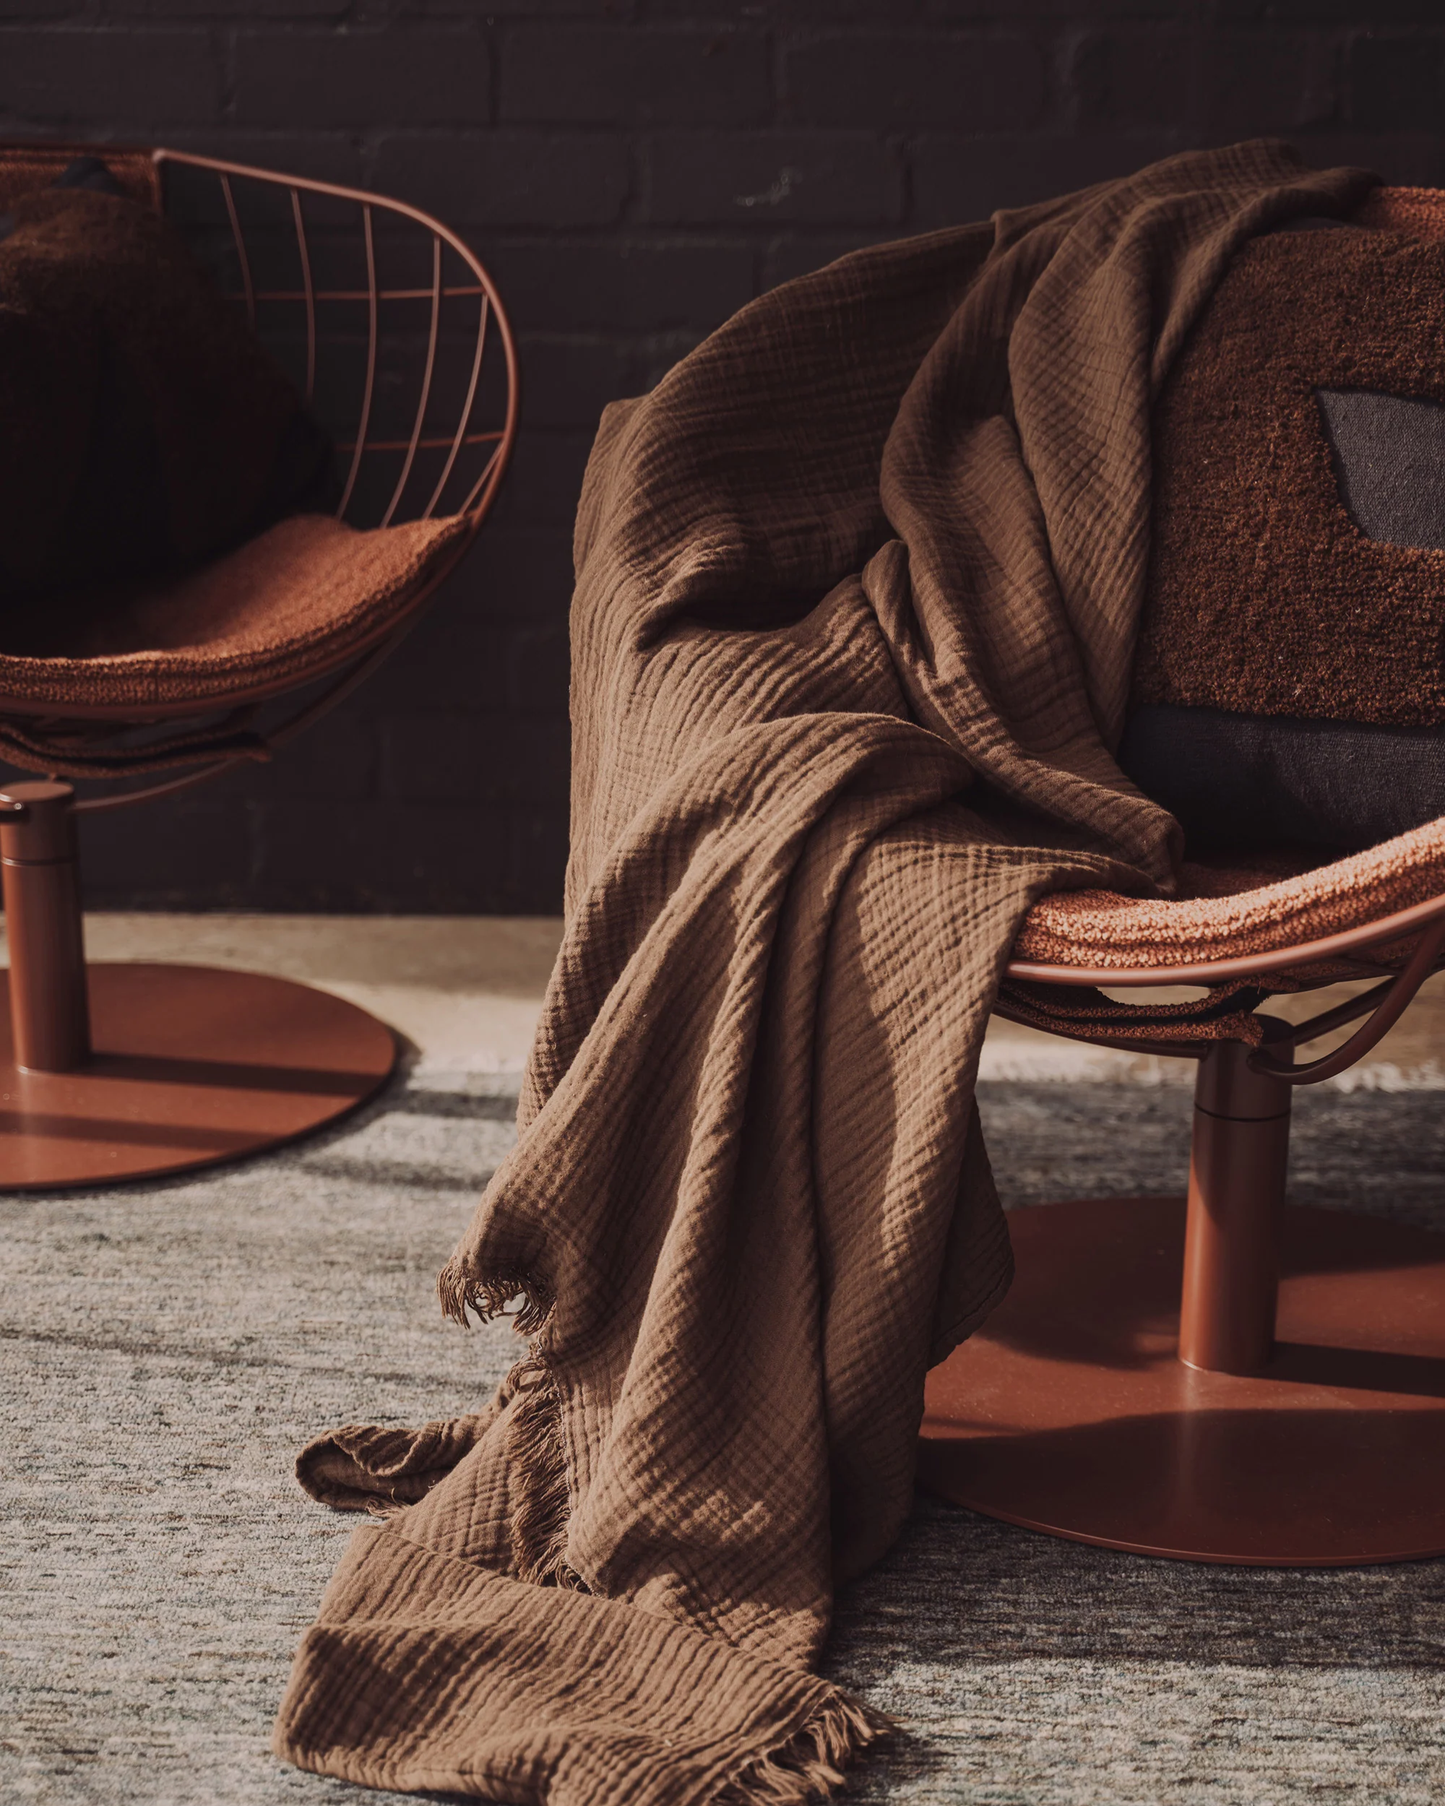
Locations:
(466, 991)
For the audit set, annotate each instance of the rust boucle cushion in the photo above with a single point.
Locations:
(292, 604)
(1230, 910)
(1266, 595)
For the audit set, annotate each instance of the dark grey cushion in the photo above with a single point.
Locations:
(1389, 454)
(1255, 781)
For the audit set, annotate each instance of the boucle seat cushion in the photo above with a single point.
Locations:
(26, 167)
(1268, 594)
(292, 604)
(1288, 682)
(1229, 911)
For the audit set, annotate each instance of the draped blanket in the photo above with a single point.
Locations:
(856, 599)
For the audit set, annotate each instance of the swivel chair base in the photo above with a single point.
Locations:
(187, 1066)
(130, 1071)
(1070, 1411)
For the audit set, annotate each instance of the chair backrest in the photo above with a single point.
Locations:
(394, 332)
(388, 322)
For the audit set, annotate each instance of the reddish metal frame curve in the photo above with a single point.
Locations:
(1384, 1005)
(362, 657)
(491, 310)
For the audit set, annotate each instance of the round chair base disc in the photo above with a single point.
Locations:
(1069, 1412)
(192, 1065)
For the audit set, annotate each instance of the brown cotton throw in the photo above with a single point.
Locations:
(857, 590)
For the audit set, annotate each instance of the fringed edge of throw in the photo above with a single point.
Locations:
(809, 1764)
(461, 1291)
(538, 1530)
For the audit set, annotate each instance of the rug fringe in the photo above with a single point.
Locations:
(809, 1764)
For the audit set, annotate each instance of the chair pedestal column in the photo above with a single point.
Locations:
(127, 1071)
(1258, 1384)
(49, 1011)
(1238, 1157)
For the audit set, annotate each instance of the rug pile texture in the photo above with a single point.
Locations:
(164, 1348)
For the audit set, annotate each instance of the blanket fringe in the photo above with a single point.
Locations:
(810, 1764)
(538, 1529)
(461, 1291)
(534, 1439)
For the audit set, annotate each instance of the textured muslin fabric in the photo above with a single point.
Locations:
(856, 602)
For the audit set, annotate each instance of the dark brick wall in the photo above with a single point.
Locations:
(633, 171)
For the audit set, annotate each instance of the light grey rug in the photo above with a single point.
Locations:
(165, 1349)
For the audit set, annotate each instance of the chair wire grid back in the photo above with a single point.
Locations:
(369, 302)
(395, 336)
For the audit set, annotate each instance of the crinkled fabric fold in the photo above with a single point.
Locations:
(856, 599)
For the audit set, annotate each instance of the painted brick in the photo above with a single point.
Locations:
(1272, 81)
(759, 179)
(455, 658)
(19, 10)
(634, 285)
(323, 156)
(959, 180)
(117, 79)
(567, 382)
(1395, 83)
(600, 75)
(536, 859)
(180, 853)
(306, 10)
(1329, 12)
(792, 12)
(515, 574)
(593, 12)
(383, 856)
(1411, 159)
(538, 670)
(508, 178)
(336, 760)
(1133, 78)
(362, 78)
(1048, 12)
(438, 757)
(911, 81)
(545, 478)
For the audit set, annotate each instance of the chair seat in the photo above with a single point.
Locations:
(1234, 910)
(288, 606)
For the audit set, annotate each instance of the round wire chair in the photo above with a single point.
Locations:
(1221, 1377)
(394, 333)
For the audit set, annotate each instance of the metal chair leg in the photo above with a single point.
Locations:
(1237, 1165)
(49, 1013)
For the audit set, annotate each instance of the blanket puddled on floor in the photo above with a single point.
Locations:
(855, 611)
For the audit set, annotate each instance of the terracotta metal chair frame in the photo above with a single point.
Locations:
(50, 746)
(119, 1071)
(1197, 1434)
